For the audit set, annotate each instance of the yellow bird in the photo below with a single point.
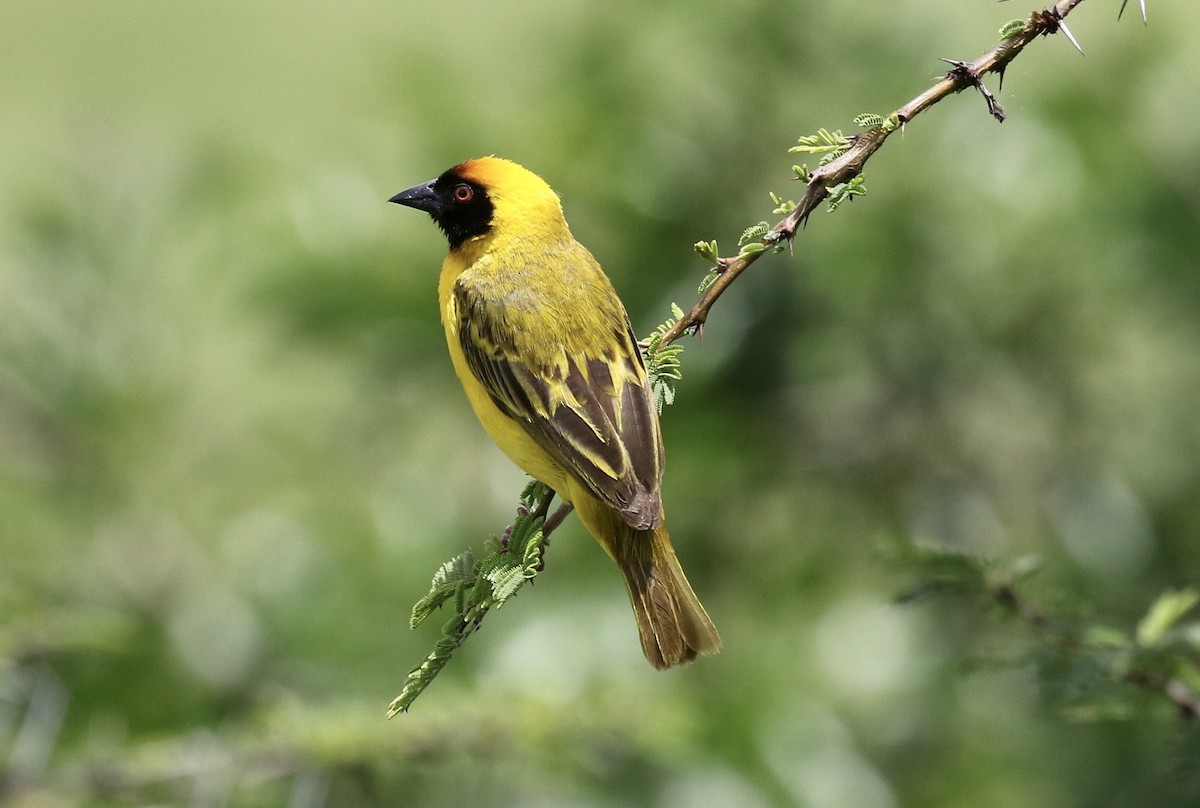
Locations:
(546, 355)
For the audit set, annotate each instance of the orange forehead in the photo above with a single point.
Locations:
(482, 169)
(501, 176)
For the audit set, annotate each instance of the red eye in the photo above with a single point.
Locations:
(463, 192)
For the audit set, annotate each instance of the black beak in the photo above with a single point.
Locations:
(422, 197)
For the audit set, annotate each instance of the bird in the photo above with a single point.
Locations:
(544, 350)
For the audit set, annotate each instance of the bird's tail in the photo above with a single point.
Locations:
(673, 626)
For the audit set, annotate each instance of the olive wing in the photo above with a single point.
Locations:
(590, 409)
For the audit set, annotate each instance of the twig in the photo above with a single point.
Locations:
(1182, 696)
(1175, 690)
(1008, 597)
(555, 519)
(863, 145)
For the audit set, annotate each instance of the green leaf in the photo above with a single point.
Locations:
(868, 120)
(454, 633)
(847, 190)
(782, 206)
(476, 586)
(1012, 28)
(505, 582)
(429, 604)
(1098, 636)
(1165, 613)
(1024, 567)
(754, 231)
(535, 493)
(937, 569)
(706, 250)
(531, 559)
(525, 542)
(663, 366)
(823, 142)
(446, 582)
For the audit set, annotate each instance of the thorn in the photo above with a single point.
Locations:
(1000, 73)
(1141, 3)
(1050, 21)
(963, 71)
(1062, 26)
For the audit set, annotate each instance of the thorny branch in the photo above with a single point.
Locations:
(963, 75)
(844, 168)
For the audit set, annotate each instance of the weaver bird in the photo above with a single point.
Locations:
(550, 364)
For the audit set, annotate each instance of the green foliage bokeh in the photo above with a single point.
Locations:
(232, 450)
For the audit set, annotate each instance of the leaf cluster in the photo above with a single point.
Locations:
(477, 585)
(1088, 668)
(663, 366)
(830, 146)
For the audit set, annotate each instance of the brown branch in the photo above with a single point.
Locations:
(850, 164)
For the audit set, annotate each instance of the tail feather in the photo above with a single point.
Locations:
(672, 625)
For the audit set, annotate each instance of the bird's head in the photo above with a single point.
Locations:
(477, 197)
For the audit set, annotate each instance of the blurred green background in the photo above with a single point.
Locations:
(232, 450)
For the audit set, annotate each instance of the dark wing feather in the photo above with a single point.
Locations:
(593, 414)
